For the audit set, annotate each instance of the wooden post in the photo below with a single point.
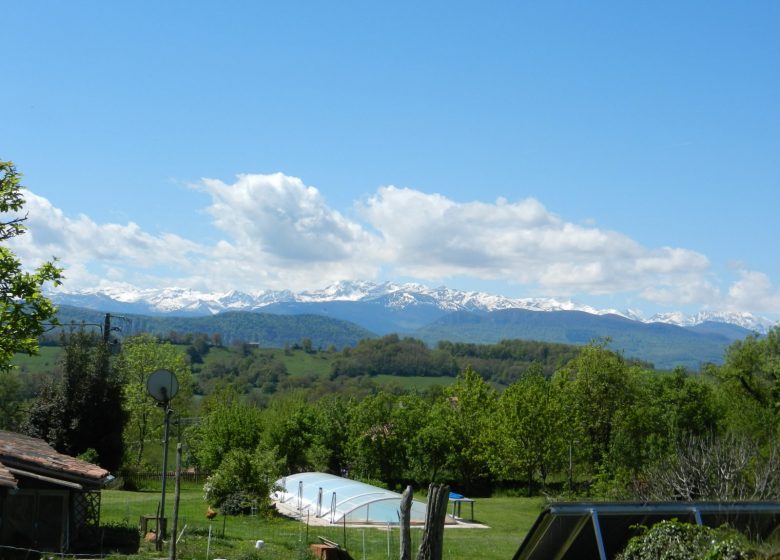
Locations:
(432, 545)
(406, 537)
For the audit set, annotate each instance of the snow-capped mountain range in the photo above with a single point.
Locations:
(181, 301)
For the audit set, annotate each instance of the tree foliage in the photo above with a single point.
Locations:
(23, 307)
(140, 356)
(83, 409)
(391, 354)
(673, 540)
(228, 424)
(532, 431)
(244, 477)
(753, 367)
(11, 403)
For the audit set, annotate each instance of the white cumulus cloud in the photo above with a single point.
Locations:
(753, 291)
(274, 231)
(432, 237)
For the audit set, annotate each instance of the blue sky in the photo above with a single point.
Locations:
(622, 154)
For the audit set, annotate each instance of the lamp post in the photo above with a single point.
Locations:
(162, 385)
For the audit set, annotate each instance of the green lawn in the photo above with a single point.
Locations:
(508, 518)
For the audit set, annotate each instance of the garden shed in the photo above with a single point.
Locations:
(48, 500)
(331, 499)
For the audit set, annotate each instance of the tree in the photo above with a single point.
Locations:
(23, 308)
(752, 367)
(140, 356)
(599, 384)
(672, 540)
(228, 424)
(376, 444)
(531, 430)
(289, 426)
(243, 477)
(473, 404)
(429, 445)
(83, 410)
(10, 400)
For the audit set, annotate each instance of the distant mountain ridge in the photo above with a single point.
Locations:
(395, 307)
(345, 313)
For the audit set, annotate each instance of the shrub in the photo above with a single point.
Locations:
(672, 540)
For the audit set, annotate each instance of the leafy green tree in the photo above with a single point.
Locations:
(23, 308)
(332, 419)
(376, 444)
(140, 356)
(599, 384)
(228, 424)
(11, 400)
(531, 430)
(289, 427)
(244, 477)
(83, 410)
(473, 404)
(752, 368)
(429, 446)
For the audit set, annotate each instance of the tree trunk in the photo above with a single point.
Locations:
(406, 537)
(431, 547)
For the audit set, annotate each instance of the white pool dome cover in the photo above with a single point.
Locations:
(341, 500)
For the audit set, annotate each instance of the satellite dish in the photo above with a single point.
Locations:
(162, 385)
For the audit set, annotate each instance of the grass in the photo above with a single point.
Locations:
(300, 363)
(47, 359)
(508, 518)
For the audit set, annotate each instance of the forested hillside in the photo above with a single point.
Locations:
(261, 329)
(666, 346)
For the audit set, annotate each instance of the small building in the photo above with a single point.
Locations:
(48, 501)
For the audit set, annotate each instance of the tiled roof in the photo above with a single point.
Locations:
(18, 451)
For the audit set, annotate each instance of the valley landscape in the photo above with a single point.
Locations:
(269, 269)
(347, 312)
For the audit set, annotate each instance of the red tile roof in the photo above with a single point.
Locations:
(27, 453)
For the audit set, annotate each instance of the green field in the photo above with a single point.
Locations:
(300, 363)
(508, 520)
(46, 360)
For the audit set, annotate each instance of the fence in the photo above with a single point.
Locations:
(137, 478)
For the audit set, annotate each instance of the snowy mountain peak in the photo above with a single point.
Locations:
(741, 319)
(396, 296)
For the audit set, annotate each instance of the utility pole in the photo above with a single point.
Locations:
(107, 328)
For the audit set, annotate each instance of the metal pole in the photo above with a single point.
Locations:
(570, 468)
(161, 520)
(177, 494)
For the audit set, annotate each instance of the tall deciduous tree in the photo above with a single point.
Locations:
(599, 384)
(753, 368)
(23, 308)
(473, 404)
(376, 444)
(532, 432)
(140, 356)
(228, 424)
